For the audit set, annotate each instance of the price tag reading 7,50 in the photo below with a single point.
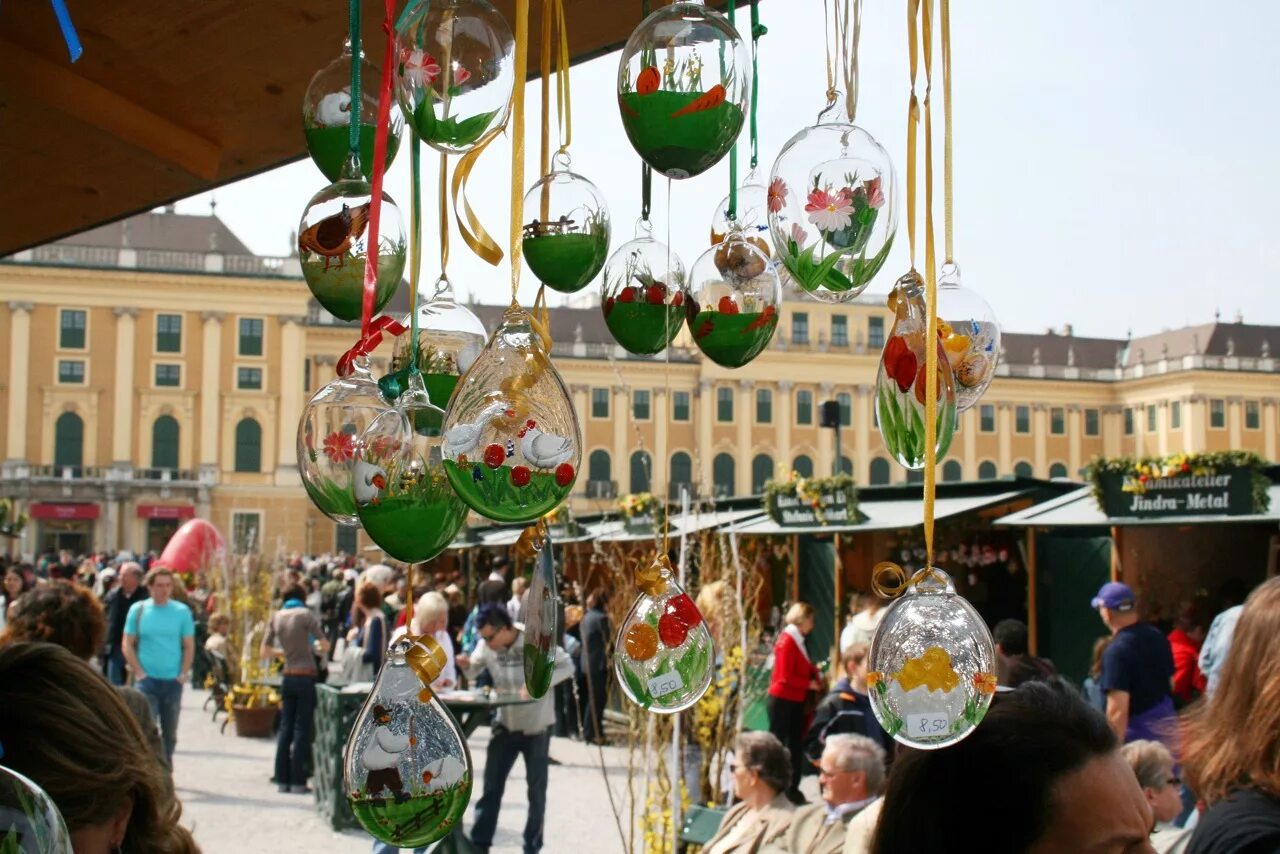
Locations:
(928, 725)
(660, 686)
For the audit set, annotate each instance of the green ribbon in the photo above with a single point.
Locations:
(353, 123)
(757, 30)
(415, 209)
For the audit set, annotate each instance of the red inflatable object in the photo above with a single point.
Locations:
(195, 546)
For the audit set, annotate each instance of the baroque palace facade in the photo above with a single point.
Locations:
(154, 369)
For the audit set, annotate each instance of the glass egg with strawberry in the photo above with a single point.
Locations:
(734, 298)
(643, 294)
(566, 239)
(901, 382)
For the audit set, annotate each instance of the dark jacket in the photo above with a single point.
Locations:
(596, 634)
(117, 606)
(844, 710)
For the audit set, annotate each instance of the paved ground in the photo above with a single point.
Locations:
(231, 807)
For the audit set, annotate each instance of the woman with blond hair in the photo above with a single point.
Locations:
(793, 677)
(1153, 765)
(1231, 753)
(66, 728)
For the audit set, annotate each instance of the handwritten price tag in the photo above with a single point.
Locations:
(929, 724)
(660, 686)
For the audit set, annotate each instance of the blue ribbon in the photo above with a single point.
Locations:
(68, 29)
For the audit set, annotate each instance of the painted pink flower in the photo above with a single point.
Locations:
(777, 195)
(460, 75)
(339, 447)
(798, 234)
(875, 194)
(420, 68)
(829, 212)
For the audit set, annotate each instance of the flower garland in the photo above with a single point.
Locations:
(638, 504)
(1137, 472)
(809, 490)
(11, 523)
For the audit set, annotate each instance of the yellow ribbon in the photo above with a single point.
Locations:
(889, 580)
(531, 540)
(931, 298)
(652, 579)
(473, 233)
(427, 660)
(946, 139)
(521, 60)
(444, 216)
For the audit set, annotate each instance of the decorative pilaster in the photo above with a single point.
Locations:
(19, 379)
(122, 411)
(210, 387)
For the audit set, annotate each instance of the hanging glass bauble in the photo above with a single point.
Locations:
(931, 667)
(407, 768)
(30, 819)
(332, 423)
(970, 336)
(750, 216)
(832, 209)
(734, 297)
(684, 86)
(450, 338)
(567, 239)
(643, 294)
(512, 447)
(664, 656)
(900, 382)
(326, 117)
(454, 71)
(541, 617)
(402, 494)
(332, 247)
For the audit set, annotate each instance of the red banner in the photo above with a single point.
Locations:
(44, 510)
(166, 511)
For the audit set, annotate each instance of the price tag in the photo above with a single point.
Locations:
(928, 725)
(660, 686)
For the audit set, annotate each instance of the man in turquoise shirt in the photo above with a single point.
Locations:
(159, 643)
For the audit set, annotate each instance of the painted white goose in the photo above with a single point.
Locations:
(369, 481)
(461, 438)
(544, 450)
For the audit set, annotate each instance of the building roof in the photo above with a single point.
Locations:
(1052, 348)
(164, 231)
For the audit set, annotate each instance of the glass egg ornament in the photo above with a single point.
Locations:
(567, 240)
(684, 86)
(750, 214)
(970, 337)
(326, 117)
(31, 820)
(664, 656)
(401, 492)
(734, 298)
(454, 71)
(643, 294)
(407, 770)
(901, 381)
(832, 209)
(332, 423)
(450, 338)
(512, 446)
(333, 247)
(932, 664)
(541, 617)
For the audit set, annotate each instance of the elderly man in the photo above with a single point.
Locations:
(851, 775)
(118, 602)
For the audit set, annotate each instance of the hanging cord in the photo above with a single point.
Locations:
(521, 60)
(946, 134)
(646, 173)
(731, 213)
(444, 218)
(564, 108)
(356, 106)
(841, 35)
(415, 255)
(931, 295)
(913, 122)
(757, 30)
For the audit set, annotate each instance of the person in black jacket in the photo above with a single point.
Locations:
(847, 709)
(118, 602)
(593, 679)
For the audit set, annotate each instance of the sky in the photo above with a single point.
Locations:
(1114, 162)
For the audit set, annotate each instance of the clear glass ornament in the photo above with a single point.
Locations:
(643, 294)
(326, 117)
(450, 339)
(751, 215)
(332, 423)
(931, 667)
(512, 446)
(684, 86)
(832, 209)
(900, 382)
(541, 618)
(970, 337)
(333, 247)
(401, 491)
(567, 240)
(455, 71)
(407, 768)
(29, 818)
(664, 656)
(734, 299)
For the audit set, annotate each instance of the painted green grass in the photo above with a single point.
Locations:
(418, 821)
(416, 525)
(332, 497)
(454, 131)
(727, 340)
(539, 665)
(329, 147)
(836, 272)
(340, 289)
(678, 146)
(902, 425)
(566, 262)
(643, 328)
(496, 497)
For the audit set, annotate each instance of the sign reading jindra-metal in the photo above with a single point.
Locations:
(791, 510)
(1227, 492)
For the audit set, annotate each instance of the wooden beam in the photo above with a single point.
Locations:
(1116, 569)
(66, 91)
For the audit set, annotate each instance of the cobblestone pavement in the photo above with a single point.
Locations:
(231, 806)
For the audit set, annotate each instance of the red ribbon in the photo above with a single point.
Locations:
(368, 342)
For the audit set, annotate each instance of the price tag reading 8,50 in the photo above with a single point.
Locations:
(664, 684)
(928, 725)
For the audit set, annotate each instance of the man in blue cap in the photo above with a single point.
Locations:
(1137, 669)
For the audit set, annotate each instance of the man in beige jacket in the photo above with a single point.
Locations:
(851, 774)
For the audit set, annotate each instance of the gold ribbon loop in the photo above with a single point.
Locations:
(532, 539)
(888, 580)
(473, 232)
(427, 660)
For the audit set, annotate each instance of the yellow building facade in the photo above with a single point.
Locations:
(154, 370)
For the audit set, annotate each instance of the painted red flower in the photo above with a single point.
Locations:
(777, 195)
(564, 474)
(520, 475)
(875, 193)
(339, 447)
